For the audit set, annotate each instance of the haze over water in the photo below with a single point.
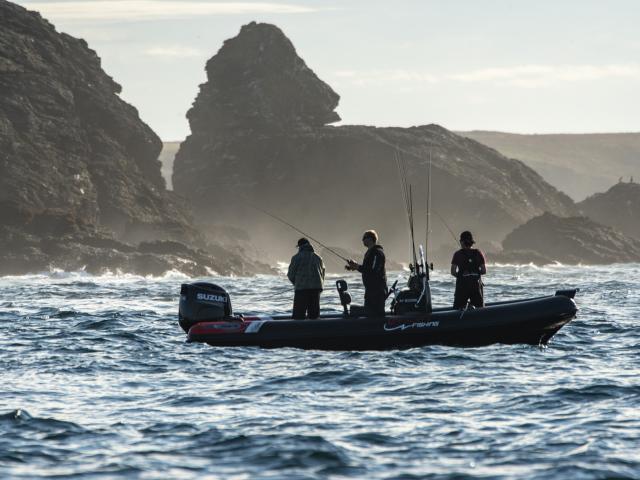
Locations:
(98, 382)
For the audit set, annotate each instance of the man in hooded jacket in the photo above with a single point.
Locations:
(306, 272)
(374, 275)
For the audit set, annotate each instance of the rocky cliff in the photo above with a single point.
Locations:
(578, 164)
(549, 238)
(618, 207)
(261, 136)
(79, 172)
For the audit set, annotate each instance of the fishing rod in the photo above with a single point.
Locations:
(426, 241)
(402, 189)
(413, 240)
(407, 196)
(397, 153)
(445, 224)
(299, 231)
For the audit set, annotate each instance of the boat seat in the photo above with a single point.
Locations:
(571, 293)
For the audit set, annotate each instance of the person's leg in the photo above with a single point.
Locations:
(374, 303)
(313, 305)
(299, 305)
(477, 296)
(460, 297)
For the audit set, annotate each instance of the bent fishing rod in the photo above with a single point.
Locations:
(447, 226)
(245, 200)
(283, 221)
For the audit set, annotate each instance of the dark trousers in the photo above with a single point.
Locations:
(374, 301)
(469, 289)
(306, 302)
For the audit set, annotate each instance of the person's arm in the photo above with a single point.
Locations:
(377, 265)
(352, 265)
(483, 265)
(454, 264)
(365, 268)
(291, 273)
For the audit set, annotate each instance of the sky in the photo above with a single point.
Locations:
(510, 65)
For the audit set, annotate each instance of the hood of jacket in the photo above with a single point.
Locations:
(307, 247)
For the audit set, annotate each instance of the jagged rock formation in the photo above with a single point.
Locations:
(77, 165)
(258, 82)
(549, 238)
(260, 136)
(618, 207)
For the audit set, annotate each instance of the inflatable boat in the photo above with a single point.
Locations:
(205, 314)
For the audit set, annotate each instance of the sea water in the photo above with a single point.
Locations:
(98, 382)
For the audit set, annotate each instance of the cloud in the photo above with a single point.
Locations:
(531, 76)
(378, 77)
(174, 51)
(123, 10)
(501, 74)
(523, 76)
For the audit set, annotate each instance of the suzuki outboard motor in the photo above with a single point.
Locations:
(200, 302)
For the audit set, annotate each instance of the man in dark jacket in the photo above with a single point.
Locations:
(306, 272)
(374, 275)
(468, 266)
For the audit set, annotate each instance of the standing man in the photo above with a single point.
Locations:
(374, 275)
(468, 266)
(306, 272)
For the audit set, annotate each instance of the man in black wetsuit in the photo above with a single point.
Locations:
(374, 275)
(468, 266)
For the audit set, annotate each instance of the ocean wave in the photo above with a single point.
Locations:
(116, 392)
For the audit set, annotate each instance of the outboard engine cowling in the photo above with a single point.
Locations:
(200, 302)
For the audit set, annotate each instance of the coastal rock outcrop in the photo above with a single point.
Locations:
(573, 240)
(70, 247)
(261, 137)
(618, 207)
(79, 169)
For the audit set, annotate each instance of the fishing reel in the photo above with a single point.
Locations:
(415, 282)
